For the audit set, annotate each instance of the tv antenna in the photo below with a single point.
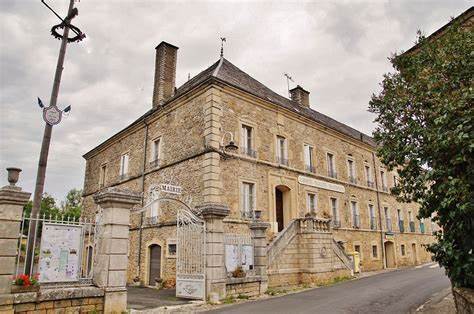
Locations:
(288, 79)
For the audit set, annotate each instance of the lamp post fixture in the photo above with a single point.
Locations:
(231, 145)
(52, 116)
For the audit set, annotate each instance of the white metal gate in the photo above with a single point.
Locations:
(191, 256)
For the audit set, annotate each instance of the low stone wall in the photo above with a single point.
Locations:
(300, 276)
(55, 300)
(248, 286)
(464, 299)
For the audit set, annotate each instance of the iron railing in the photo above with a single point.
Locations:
(370, 184)
(353, 179)
(401, 226)
(310, 168)
(249, 152)
(412, 226)
(282, 161)
(332, 173)
(154, 163)
(49, 232)
(122, 177)
(356, 221)
(373, 223)
(422, 227)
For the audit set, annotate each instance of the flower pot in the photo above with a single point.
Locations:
(23, 289)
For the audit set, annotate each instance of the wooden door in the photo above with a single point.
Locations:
(279, 209)
(154, 273)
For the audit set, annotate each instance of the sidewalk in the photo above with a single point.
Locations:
(442, 302)
(143, 298)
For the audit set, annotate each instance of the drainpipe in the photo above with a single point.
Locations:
(380, 212)
(145, 147)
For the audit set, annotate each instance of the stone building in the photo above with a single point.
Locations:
(225, 138)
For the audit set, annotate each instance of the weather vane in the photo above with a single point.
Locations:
(222, 46)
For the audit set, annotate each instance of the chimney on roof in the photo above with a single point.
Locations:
(300, 95)
(165, 73)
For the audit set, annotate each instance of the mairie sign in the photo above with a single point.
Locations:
(172, 189)
(321, 184)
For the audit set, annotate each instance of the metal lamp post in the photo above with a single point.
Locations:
(51, 115)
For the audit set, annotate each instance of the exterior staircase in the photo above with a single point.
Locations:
(306, 249)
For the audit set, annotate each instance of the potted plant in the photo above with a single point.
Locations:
(25, 283)
(238, 272)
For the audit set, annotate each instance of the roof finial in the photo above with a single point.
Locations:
(222, 46)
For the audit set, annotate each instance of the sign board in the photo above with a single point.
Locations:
(172, 189)
(52, 115)
(389, 236)
(321, 184)
(238, 255)
(60, 253)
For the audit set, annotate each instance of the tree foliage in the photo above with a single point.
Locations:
(425, 130)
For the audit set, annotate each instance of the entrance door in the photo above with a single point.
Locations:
(279, 209)
(413, 251)
(155, 264)
(389, 254)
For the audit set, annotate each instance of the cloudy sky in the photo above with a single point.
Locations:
(335, 49)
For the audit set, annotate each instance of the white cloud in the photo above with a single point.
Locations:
(335, 49)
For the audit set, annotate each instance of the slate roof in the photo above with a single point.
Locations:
(225, 71)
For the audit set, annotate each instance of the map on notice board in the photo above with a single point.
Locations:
(59, 253)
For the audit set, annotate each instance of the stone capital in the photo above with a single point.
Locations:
(213, 210)
(117, 198)
(259, 225)
(13, 195)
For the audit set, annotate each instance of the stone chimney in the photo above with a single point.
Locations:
(300, 95)
(165, 73)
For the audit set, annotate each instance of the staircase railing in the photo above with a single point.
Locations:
(282, 240)
(339, 251)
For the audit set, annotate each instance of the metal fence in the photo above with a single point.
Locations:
(45, 243)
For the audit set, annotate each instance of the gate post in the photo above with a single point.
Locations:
(258, 229)
(111, 261)
(12, 200)
(214, 215)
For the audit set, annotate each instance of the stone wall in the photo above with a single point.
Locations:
(464, 300)
(58, 300)
(250, 286)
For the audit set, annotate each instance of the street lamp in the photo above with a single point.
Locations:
(231, 147)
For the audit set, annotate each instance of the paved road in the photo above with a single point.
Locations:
(400, 291)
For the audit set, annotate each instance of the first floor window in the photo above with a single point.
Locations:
(247, 140)
(331, 165)
(355, 214)
(124, 164)
(248, 198)
(373, 223)
(156, 150)
(402, 249)
(311, 202)
(374, 251)
(172, 249)
(308, 157)
(102, 175)
(335, 213)
(282, 153)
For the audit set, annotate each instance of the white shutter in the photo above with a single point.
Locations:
(307, 155)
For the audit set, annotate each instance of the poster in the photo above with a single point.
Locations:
(247, 257)
(231, 257)
(60, 250)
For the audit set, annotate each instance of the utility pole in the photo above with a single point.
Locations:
(52, 116)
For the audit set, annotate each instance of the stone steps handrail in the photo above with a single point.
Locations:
(282, 240)
(313, 224)
(342, 255)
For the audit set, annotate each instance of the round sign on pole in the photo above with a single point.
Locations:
(52, 115)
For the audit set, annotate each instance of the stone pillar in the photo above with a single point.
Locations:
(111, 260)
(214, 215)
(258, 229)
(12, 200)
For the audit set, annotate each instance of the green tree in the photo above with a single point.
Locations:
(72, 206)
(424, 117)
(48, 206)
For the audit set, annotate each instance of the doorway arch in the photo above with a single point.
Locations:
(282, 206)
(389, 254)
(154, 264)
